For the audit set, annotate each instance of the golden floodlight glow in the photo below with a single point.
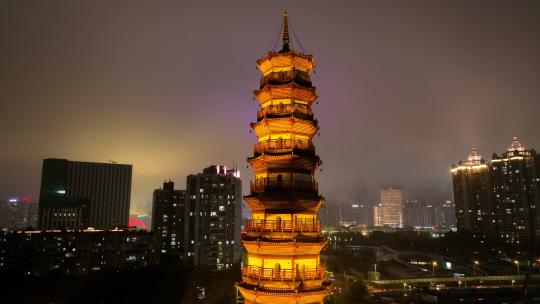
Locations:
(507, 159)
(477, 167)
(283, 239)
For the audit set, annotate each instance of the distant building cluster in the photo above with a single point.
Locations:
(499, 198)
(83, 222)
(200, 226)
(392, 211)
(76, 252)
(18, 213)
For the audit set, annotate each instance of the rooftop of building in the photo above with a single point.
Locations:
(516, 150)
(109, 163)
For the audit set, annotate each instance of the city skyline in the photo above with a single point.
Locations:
(141, 86)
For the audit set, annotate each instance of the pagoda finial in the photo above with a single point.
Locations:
(285, 32)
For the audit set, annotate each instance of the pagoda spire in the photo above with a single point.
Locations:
(285, 32)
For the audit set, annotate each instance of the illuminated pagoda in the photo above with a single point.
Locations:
(283, 240)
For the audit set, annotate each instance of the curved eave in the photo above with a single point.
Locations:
(283, 248)
(291, 58)
(291, 285)
(292, 161)
(290, 90)
(267, 204)
(300, 126)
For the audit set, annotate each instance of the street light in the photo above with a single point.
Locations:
(513, 281)
(474, 267)
(517, 265)
(459, 283)
(433, 264)
(404, 285)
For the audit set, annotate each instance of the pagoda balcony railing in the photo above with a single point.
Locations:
(305, 225)
(283, 145)
(280, 274)
(285, 109)
(282, 184)
(299, 77)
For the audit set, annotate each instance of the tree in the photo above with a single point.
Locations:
(355, 293)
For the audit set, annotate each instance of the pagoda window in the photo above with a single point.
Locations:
(283, 263)
(258, 216)
(304, 217)
(277, 269)
(307, 264)
(284, 101)
(255, 261)
(284, 136)
(301, 178)
(278, 222)
(278, 217)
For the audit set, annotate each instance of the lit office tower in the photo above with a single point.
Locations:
(472, 196)
(392, 207)
(214, 210)
(168, 214)
(283, 240)
(516, 185)
(76, 194)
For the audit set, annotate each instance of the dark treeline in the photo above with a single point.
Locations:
(151, 285)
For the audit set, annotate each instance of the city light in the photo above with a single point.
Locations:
(422, 169)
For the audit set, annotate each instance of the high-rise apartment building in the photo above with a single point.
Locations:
(365, 212)
(213, 214)
(516, 193)
(329, 214)
(356, 214)
(499, 199)
(392, 207)
(168, 220)
(473, 196)
(418, 214)
(77, 194)
(446, 215)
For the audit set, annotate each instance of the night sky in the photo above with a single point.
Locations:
(406, 87)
